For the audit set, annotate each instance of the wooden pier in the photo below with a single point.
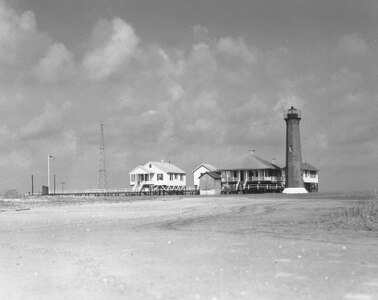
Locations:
(233, 189)
(126, 192)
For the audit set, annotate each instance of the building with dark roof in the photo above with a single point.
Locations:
(199, 171)
(250, 173)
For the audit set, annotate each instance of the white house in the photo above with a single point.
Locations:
(154, 176)
(199, 171)
(310, 177)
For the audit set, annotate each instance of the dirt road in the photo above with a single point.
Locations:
(191, 248)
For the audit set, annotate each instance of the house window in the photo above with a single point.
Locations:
(133, 177)
(181, 177)
(170, 177)
(150, 166)
(235, 174)
(176, 176)
(250, 173)
(160, 177)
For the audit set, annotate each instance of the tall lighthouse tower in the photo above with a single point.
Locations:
(293, 170)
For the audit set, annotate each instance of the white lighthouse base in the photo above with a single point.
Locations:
(298, 190)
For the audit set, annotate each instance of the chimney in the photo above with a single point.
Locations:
(273, 160)
(252, 151)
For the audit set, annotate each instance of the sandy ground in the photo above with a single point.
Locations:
(190, 248)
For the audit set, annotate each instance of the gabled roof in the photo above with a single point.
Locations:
(207, 166)
(307, 166)
(249, 162)
(215, 175)
(166, 167)
(145, 170)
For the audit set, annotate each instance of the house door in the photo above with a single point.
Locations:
(241, 175)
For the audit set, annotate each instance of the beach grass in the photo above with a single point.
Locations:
(362, 215)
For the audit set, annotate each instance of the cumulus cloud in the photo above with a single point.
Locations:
(6, 135)
(345, 79)
(236, 48)
(115, 43)
(56, 65)
(207, 102)
(201, 34)
(352, 45)
(174, 67)
(175, 90)
(46, 124)
(193, 101)
(202, 64)
(20, 41)
(286, 100)
(170, 70)
(345, 89)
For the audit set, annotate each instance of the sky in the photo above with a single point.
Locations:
(188, 82)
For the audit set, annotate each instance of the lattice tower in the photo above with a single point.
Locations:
(102, 180)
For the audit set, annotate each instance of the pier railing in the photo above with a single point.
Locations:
(123, 191)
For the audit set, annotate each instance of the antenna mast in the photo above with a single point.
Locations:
(102, 181)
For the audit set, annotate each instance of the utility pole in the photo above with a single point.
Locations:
(102, 181)
(32, 182)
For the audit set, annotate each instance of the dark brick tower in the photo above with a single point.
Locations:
(294, 180)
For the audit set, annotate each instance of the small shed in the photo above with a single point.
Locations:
(199, 171)
(210, 183)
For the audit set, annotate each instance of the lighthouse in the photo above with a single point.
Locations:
(294, 180)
